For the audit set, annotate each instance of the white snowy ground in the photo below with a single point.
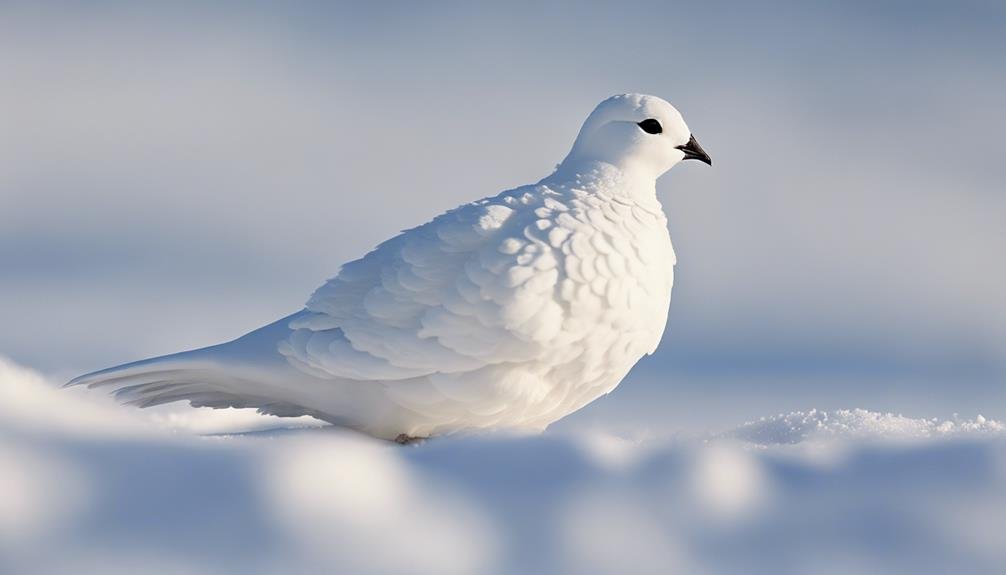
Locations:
(89, 487)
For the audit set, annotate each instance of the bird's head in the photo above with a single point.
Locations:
(639, 134)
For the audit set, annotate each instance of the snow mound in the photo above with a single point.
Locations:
(816, 425)
(89, 487)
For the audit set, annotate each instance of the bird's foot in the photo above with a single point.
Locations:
(404, 439)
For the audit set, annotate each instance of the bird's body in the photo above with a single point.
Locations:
(509, 312)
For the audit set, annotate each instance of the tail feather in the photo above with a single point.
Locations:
(157, 392)
(246, 372)
(166, 364)
(188, 376)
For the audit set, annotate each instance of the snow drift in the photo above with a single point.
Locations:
(90, 487)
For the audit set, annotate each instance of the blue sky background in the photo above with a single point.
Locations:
(172, 176)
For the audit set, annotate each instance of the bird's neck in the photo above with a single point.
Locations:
(600, 177)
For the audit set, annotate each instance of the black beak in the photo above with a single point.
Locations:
(693, 151)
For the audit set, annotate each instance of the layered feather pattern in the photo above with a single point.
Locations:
(521, 307)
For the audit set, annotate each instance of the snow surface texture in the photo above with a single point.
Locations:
(90, 487)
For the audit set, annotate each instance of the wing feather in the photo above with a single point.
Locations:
(512, 279)
(446, 297)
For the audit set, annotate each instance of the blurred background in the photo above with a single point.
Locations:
(173, 175)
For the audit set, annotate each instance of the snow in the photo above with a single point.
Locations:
(815, 425)
(90, 487)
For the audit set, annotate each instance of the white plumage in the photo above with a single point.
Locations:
(512, 311)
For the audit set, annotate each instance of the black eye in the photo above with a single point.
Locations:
(651, 126)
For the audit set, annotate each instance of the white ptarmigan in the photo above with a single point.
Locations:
(509, 312)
